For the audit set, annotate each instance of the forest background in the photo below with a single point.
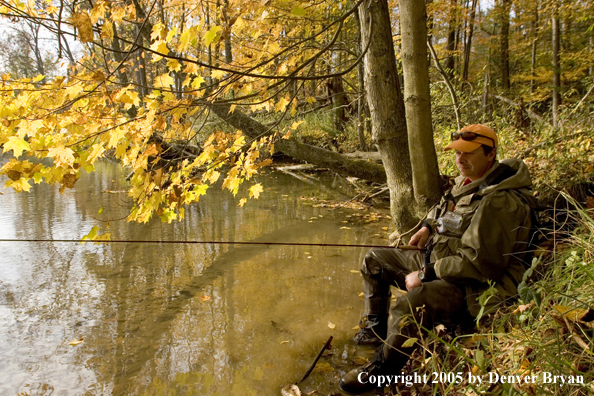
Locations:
(191, 93)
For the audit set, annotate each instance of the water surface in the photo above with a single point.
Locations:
(183, 319)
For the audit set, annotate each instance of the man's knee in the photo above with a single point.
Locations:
(371, 266)
(440, 299)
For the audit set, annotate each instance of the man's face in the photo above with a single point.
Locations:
(474, 164)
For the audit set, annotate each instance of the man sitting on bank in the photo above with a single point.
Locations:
(478, 233)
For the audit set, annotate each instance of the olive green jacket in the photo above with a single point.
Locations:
(493, 237)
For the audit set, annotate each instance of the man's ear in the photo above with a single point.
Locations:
(491, 156)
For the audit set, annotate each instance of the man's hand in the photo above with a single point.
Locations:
(420, 238)
(412, 280)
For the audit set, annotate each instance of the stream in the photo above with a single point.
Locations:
(179, 319)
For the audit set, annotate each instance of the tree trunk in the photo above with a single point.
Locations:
(339, 101)
(361, 97)
(417, 99)
(117, 55)
(449, 63)
(556, 71)
(468, 44)
(386, 105)
(534, 48)
(504, 42)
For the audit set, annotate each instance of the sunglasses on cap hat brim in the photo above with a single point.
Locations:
(459, 138)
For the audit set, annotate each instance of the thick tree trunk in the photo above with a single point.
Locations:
(417, 99)
(387, 110)
(368, 170)
(340, 102)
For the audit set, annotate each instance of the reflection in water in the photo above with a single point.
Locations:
(173, 318)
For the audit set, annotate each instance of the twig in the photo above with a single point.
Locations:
(576, 337)
(313, 365)
(447, 82)
(581, 101)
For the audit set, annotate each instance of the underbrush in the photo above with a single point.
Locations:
(540, 345)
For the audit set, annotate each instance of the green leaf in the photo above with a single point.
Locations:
(409, 343)
(479, 357)
(527, 294)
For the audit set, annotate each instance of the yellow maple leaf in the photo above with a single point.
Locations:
(218, 74)
(159, 46)
(98, 149)
(173, 65)
(171, 34)
(186, 38)
(19, 185)
(213, 34)
(255, 190)
(61, 155)
(191, 68)
(107, 31)
(17, 146)
(197, 82)
(164, 81)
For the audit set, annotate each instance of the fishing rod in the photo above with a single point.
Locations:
(403, 247)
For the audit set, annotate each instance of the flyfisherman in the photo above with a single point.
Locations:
(479, 232)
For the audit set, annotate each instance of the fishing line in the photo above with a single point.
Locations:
(405, 247)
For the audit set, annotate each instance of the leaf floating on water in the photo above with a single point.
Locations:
(258, 374)
(205, 298)
(355, 272)
(360, 360)
(331, 325)
(285, 342)
(345, 228)
(324, 367)
(76, 342)
(291, 390)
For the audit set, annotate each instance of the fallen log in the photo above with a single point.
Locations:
(363, 169)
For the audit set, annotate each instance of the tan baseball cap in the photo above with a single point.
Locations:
(486, 136)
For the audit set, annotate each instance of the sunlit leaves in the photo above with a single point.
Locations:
(103, 109)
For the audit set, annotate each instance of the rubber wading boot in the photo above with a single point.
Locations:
(361, 380)
(372, 330)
